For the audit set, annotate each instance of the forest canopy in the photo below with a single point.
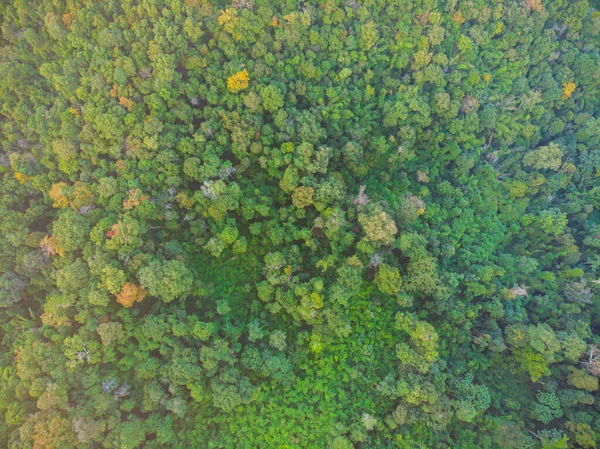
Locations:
(298, 224)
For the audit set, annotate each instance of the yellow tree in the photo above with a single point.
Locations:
(238, 81)
(58, 194)
(568, 89)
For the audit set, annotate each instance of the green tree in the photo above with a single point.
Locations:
(272, 99)
(70, 230)
(378, 226)
(166, 280)
(420, 351)
(388, 280)
(546, 157)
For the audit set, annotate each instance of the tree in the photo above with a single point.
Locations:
(49, 245)
(125, 235)
(70, 231)
(238, 81)
(340, 443)
(378, 226)
(47, 430)
(388, 280)
(568, 89)
(348, 283)
(87, 428)
(58, 194)
(535, 347)
(471, 400)
(420, 351)
(166, 280)
(303, 197)
(547, 408)
(290, 179)
(272, 99)
(73, 278)
(277, 340)
(130, 294)
(110, 333)
(12, 287)
(545, 158)
(579, 378)
(368, 35)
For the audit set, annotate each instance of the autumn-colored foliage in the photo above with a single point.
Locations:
(130, 294)
(50, 246)
(458, 17)
(229, 20)
(469, 103)
(113, 231)
(126, 102)
(238, 81)
(534, 5)
(67, 19)
(22, 177)
(568, 89)
(120, 165)
(50, 432)
(81, 196)
(57, 195)
(134, 199)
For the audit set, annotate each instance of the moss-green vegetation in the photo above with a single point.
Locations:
(299, 224)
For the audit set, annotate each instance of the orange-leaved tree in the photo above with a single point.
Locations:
(130, 293)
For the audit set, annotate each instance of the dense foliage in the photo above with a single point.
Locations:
(299, 224)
